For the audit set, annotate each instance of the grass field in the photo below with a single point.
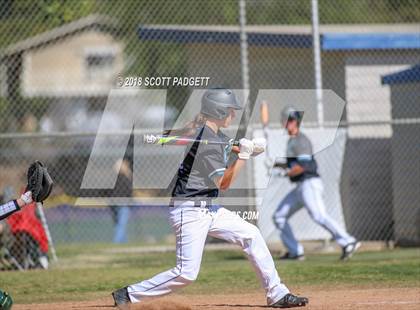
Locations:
(91, 272)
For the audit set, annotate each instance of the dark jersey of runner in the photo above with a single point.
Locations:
(202, 162)
(299, 151)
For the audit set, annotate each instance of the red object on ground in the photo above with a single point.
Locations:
(27, 221)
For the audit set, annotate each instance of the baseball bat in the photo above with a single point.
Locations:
(179, 140)
(264, 114)
(265, 119)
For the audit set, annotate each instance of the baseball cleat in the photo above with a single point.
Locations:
(290, 301)
(349, 250)
(289, 256)
(121, 298)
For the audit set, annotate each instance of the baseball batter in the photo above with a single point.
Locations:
(301, 168)
(193, 216)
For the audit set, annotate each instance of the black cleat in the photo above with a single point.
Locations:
(121, 298)
(288, 256)
(290, 301)
(349, 250)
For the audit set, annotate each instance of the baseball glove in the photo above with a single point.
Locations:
(40, 182)
(6, 301)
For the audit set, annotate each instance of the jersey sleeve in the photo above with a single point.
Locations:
(213, 161)
(8, 208)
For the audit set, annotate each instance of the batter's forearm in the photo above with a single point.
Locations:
(295, 171)
(231, 173)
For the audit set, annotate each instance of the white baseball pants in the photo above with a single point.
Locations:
(307, 194)
(192, 225)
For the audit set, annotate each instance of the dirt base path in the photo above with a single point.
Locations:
(386, 298)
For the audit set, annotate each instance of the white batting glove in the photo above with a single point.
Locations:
(27, 197)
(260, 145)
(284, 172)
(281, 172)
(246, 148)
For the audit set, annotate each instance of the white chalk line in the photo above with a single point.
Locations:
(413, 302)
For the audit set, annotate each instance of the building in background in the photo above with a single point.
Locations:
(405, 100)
(72, 66)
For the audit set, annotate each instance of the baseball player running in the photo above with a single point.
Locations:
(301, 168)
(193, 216)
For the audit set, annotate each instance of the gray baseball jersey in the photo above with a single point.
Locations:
(299, 151)
(201, 164)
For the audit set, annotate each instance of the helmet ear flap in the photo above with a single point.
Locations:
(223, 113)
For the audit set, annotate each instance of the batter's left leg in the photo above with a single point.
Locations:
(232, 228)
(191, 226)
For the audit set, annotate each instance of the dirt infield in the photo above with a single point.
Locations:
(383, 298)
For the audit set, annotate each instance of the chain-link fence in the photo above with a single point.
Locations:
(60, 61)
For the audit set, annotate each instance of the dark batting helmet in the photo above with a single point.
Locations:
(290, 113)
(216, 103)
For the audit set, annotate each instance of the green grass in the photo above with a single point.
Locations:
(87, 272)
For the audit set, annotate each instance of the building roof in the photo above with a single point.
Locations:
(406, 76)
(333, 37)
(91, 21)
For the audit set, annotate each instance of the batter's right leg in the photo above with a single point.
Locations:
(312, 192)
(229, 226)
(191, 225)
(287, 207)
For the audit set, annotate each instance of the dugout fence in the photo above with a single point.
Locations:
(59, 64)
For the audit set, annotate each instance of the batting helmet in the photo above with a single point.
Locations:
(216, 103)
(290, 113)
(6, 301)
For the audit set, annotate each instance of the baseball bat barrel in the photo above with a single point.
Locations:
(264, 114)
(178, 140)
(264, 121)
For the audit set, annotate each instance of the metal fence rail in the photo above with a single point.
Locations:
(58, 64)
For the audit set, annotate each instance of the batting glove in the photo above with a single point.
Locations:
(260, 145)
(246, 148)
(27, 197)
(284, 172)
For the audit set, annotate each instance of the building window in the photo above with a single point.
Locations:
(100, 63)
